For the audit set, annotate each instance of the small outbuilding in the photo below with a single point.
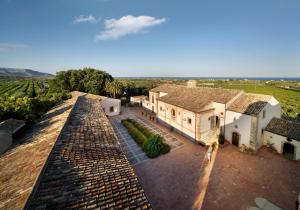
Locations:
(137, 100)
(111, 106)
(284, 136)
(8, 129)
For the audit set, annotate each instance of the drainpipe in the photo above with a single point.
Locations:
(224, 124)
(195, 127)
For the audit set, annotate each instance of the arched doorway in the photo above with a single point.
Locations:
(235, 139)
(288, 150)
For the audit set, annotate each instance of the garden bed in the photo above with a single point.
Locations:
(152, 144)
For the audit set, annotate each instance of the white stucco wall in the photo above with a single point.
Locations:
(243, 123)
(139, 100)
(278, 142)
(204, 121)
(180, 122)
(109, 102)
(272, 109)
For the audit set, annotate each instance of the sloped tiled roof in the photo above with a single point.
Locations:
(287, 128)
(21, 165)
(73, 165)
(194, 98)
(12, 125)
(87, 168)
(250, 104)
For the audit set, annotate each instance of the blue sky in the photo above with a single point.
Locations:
(153, 37)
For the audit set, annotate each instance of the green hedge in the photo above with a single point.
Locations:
(141, 128)
(138, 136)
(153, 145)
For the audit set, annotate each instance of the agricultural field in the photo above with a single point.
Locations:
(27, 99)
(22, 88)
(288, 98)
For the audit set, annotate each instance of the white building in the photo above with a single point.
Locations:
(200, 112)
(283, 136)
(137, 99)
(111, 106)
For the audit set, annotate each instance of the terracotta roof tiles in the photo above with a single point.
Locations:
(287, 128)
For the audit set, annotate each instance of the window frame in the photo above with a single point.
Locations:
(111, 109)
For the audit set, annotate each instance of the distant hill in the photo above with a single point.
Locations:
(13, 72)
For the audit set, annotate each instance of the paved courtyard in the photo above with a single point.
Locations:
(132, 151)
(173, 181)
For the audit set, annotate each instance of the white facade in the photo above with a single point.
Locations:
(248, 128)
(111, 106)
(240, 124)
(278, 142)
(137, 99)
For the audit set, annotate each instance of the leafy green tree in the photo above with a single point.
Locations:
(114, 88)
(87, 80)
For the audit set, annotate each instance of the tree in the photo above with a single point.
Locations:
(114, 88)
(87, 80)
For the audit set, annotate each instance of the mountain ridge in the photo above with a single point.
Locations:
(19, 72)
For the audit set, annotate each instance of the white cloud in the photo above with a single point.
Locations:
(85, 19)
(117, 28)
(8, 46)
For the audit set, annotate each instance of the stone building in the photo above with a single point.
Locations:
(200, 113)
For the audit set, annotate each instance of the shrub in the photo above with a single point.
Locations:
(165, 149)
(141, 128)
(154, 146)
(134, 132)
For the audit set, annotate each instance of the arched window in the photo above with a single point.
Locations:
(173, 113)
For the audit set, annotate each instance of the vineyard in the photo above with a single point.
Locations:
(27, 99)
(21, 88)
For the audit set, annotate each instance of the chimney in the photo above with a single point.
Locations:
(191, 83)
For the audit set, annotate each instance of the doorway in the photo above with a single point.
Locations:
(235, 139)
(217, 121)
(288, 150)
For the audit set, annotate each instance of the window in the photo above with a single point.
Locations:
(152, 99)
(111, 109)
(189, 120)
(160, 108)
(173, 113)
(264, 113)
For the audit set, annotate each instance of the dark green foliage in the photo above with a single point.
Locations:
(27, 99)
(138, 136)
(141, 128)
(29, 109)
(86, 80)
(153, 145)
(165, 149)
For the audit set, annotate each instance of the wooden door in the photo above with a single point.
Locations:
(235, 139)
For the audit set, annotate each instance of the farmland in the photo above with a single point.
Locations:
(21, 88)
(26, 99)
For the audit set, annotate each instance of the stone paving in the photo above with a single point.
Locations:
(132, 151)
